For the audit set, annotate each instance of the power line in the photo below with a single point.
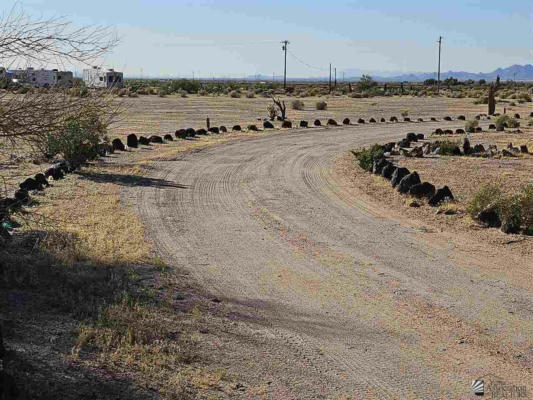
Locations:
(306, 64)
(219, 44)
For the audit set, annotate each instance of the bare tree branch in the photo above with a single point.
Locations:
(40, 40)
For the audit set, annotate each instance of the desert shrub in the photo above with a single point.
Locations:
(272, 111)
(77, 142)
(470, 126)
(202, 92)
(122, 92)
(297, 105)
(505, 120)
(526, 206)
(366, 83)
(482, 100)
(530, 121)
(509, 209)
(488, 195)
(366, 157)
(132, 94)
(78, 91)
(447, 147)
(321, 105)
(250, 94)
(183, 93)
(404, 113)
(234, 94)
(524, 96)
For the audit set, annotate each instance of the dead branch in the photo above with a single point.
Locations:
(42, 40)
(281, 106)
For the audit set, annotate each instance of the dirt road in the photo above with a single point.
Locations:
(386, 306)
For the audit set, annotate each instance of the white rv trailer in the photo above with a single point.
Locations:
(100, 78)
(41, 77)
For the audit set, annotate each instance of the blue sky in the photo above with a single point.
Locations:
(237, 37)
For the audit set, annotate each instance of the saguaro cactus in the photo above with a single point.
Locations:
(492, 100)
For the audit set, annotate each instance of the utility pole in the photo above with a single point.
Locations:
(438, 73)
(330, 77)
(335, 77)
(284, 48)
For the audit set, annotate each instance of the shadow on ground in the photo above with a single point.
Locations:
(129, 180)
(42, 304)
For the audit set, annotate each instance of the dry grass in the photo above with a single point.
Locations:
(86, 266)
(90, 210)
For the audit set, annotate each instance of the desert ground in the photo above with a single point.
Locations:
(269, 265)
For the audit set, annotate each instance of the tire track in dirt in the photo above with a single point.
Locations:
(349, 285)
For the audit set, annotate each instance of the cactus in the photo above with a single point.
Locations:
(492, 100)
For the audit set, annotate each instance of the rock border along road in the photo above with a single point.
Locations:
(395, 310)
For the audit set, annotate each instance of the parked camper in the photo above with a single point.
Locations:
(40, 77)
(100, 78)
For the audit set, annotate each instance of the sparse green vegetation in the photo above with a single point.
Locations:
(448, 147)
(505, 121)
(77, 142)
(470, 126)
(366, 157)
(488, 195)
(297, 105)
(321, 105)
(516, 208)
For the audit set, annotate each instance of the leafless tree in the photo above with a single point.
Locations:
(45, 40)
(28, 116)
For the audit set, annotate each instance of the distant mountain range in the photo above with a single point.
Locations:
(514, 72)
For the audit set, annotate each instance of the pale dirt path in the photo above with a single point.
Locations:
(378, 302)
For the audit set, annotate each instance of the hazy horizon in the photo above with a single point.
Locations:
(237, 39)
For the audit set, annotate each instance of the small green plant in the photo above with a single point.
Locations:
(78, 141)
(524, 96)
(366, 157)
(321, 105)
(470, 126)
(448, 147)
(234, 94)
(526, 206)
(509, 209)
(297, 105)
(488, 195)
(404, 113)
(505, 121)
(530, 121)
